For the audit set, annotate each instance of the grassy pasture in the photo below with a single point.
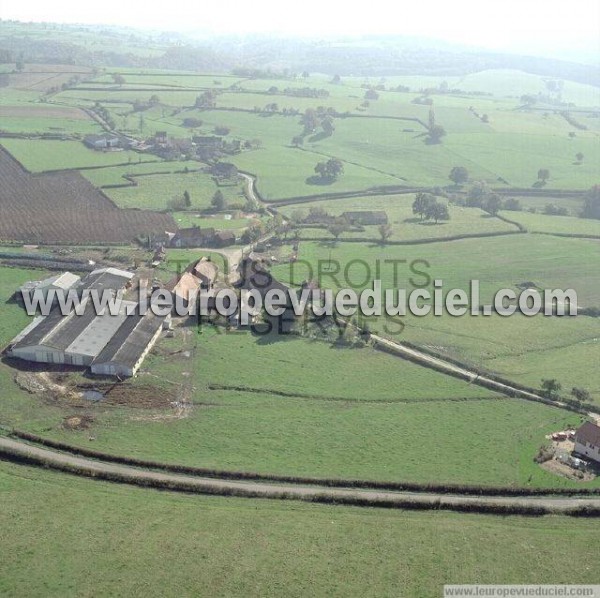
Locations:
(284, 172)
(372, 432)
(555, 224)
(114, 175)
(187, 219)
(170, 78)
(154, 191)
(405, 224)
(250, 100)
(387, 148)
(491, 441)
(336, 551)
(516, 157)
(497, 263)
(46, 119)
(39, 156)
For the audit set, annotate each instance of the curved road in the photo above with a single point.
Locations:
(12, 449)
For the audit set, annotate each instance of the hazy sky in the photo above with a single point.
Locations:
(537, 26)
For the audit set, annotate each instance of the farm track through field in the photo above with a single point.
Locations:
(19, 451)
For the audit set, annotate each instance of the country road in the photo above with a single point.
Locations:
(11, 449)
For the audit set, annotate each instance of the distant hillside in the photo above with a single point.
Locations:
(96, 46)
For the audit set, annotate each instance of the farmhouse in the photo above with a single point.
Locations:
(120, 341)
(587, 441)
(366, 217)
(184, 289)
(193, 237)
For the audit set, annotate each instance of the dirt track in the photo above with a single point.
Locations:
(18, 450)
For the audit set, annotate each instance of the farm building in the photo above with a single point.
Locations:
(225, 170)
(124, 353)
(224, 238)
(102, 142)
(80, 337)
(587, 441)
(193, 237)
(206, 271)
(366, 217)
(61, 282)
(207, 141)
(184, 289)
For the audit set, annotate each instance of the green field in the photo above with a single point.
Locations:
(344, 424)
(497, 263)
(155, 191)
(39, 156)
(114, 175)
(73, 537)
(555, 224)
(406, 226)
(355, 425)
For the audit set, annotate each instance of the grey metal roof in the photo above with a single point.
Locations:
(99, 331)
(130, 341)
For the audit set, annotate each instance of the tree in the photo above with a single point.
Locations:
(385, 232)
(579, 157)
(422, 201)
(118, 79)
(253, 232)
(218, 201)
(437, 211)
(512, 204)
(154, 100)
(187, 200)
(492, 204)
(371, 94)
(543, 175)
(20, 64)
(436, 133)
(192, 123)
(485, 118)
(581, 395)
(297, 141)
(477, 193)
(431, 117)
(298, 216)
(336, 79)
(528, 100)
(328, 126)
(310, 120)
(176, 203)
(329, 170)
(551, 387)
(207, 99)
(337, 227)
(459, 175)
(591, 205)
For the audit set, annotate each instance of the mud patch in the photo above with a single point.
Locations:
(565, 471)
(77, 422)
